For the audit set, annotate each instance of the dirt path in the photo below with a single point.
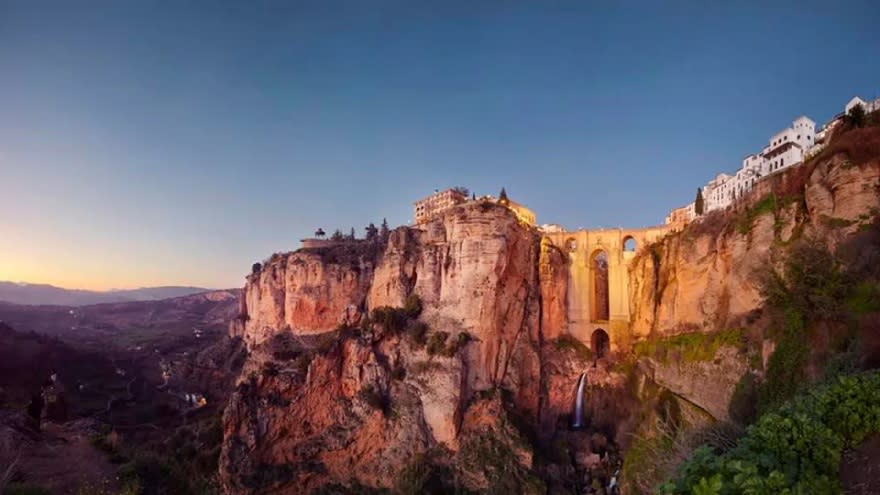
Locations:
(860, 468)
(61, 459)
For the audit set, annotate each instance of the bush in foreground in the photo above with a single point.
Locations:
(795, 450)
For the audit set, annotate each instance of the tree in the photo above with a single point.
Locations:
(372, 232)
(462, 190)
(337, 235)
(320, 233)
(856, 116)
(256, 268)
(698, 203)
(502, 198)
(351, 234)
(383, 230)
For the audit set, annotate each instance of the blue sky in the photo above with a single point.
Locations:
(146, 143)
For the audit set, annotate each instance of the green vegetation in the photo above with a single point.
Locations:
(499, 463)
(568, 343)
(437, 343)
(795, 450)
(690, 347)
(835, 222)
(766, 205)
(184, 463)
(864, 298)
(425, 475)
(698, 202)
(412, 307)
(417, 331)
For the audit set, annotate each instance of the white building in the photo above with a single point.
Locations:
(784, 149)
(869, 106)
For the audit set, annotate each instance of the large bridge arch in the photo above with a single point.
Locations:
(585, 311)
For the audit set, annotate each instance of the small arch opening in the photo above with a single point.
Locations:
(571, 245)
(629, 244)
(600, 343)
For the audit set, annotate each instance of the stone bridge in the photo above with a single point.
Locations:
(598, 304)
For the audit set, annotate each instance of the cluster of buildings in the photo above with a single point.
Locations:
(427, 208)
(786, 148)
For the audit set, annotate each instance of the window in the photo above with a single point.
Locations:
(781, 162)
(799, 136)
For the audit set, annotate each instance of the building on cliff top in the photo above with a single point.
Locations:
(787, 148)
(427, 208)
(679, 217)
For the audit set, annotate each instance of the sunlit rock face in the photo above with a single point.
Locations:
(363, 405)
(362, 409)
(706, 277)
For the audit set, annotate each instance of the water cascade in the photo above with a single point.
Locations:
(577, 419)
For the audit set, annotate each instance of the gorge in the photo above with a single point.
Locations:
(449, 356)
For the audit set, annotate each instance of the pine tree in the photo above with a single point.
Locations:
(698, 203)
(383, 230)
(502, 198)
(372, 232)
(351, 234)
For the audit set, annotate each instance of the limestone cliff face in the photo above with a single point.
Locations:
(360, 410)
(303, 292)
(705, 278)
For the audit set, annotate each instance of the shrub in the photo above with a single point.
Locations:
(460, 341)
(413, 306)
(393, 320)
(794, 450)
(766, 205)
(417, 332)
(256, 267)
(437, 343)
(568, 343)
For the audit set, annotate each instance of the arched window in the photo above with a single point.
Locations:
(599, 270)
(629, 244)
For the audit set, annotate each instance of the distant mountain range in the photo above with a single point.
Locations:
(22, 293)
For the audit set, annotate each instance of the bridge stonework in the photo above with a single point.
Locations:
(582, 246)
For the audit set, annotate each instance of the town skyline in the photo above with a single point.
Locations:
(146, 146)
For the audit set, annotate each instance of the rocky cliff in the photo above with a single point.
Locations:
(343, 386)
(438, 356)
(707, 277)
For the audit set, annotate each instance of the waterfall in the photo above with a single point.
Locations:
(577, 420)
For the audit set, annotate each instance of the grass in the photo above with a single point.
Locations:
(766, 205)
(690, 347)
(865, 298)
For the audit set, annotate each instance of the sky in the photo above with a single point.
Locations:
(176, 143)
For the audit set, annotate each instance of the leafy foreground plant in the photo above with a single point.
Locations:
(795, 450)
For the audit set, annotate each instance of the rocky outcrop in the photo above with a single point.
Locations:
(706, 277)
(360, 411)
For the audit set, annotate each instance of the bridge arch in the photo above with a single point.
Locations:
(600, 343)
(599, 284)
(630, 244)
